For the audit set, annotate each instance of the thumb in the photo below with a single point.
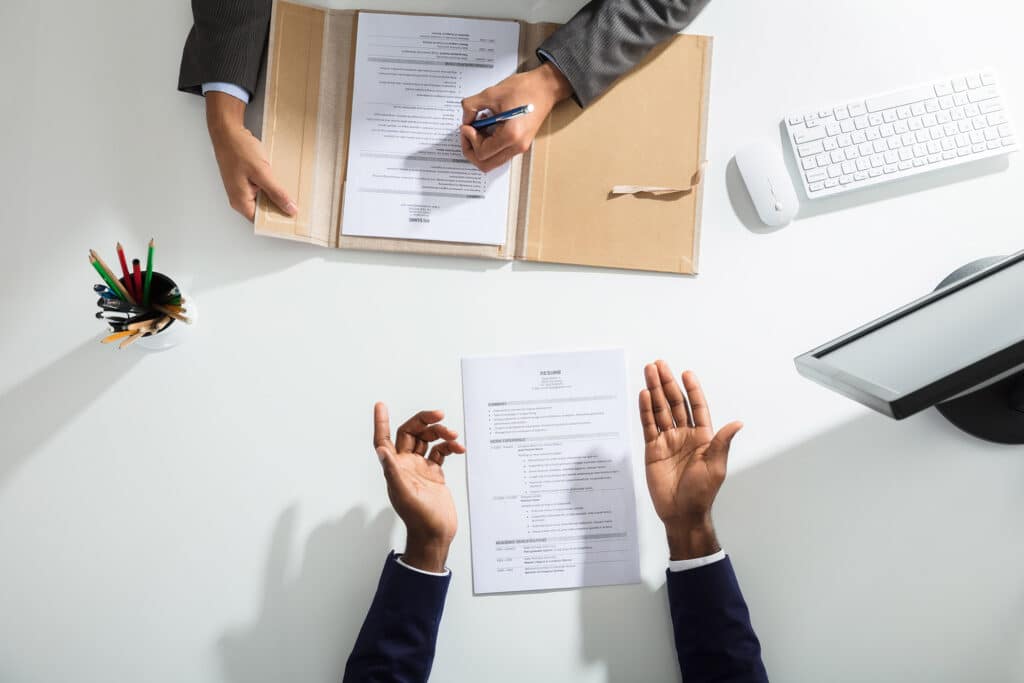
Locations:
(266, 181)
(718, 451)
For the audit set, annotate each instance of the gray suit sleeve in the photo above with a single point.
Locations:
(226, 43)
(607, 38)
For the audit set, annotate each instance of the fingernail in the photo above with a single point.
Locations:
(291, 209)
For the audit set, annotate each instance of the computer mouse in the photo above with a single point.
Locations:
(768, 182)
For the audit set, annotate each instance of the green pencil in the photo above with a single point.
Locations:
(106, 277)
(149, 275)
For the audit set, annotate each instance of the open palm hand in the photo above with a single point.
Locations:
(685, 460)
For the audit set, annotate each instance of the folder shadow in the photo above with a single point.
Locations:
(860, 549)
(310, 616)
(744, 210)
(38, 407)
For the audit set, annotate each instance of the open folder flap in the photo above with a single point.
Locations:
(305, 132)
(619, 184)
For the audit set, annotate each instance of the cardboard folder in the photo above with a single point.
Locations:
(648, 132)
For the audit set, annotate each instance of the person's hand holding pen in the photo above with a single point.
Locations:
(543, 87)
(416, 485)
(244, 168)
(685, 459)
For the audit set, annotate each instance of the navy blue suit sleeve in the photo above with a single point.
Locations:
(398, 637)
(714, 638)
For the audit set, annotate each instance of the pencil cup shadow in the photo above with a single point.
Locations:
(38, 407)
(309, 620)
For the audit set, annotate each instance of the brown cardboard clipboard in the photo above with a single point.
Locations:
(647, 131)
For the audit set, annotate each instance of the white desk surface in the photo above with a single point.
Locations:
(216, 513)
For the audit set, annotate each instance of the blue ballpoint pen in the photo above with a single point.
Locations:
(503, 116)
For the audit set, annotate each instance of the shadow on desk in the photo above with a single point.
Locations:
(882, 550)
(742, 206)
(35, 409)
(311, 610)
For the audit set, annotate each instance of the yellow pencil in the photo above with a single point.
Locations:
(122, 292)
(117, 335)
(133, 337)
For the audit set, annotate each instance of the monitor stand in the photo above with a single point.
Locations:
(995, 412)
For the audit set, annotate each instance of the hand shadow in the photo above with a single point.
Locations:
(629, 630)
(882, 551)
(38, 407)
(308, 621)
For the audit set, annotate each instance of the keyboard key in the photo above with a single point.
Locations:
(972, 110)
(834, 171)
(934, 147)
(948, 144)
(863, 164)
(809, 135)
(890, 168)
(901, 127)
(890, 157)
(922, 136)
(932, 105)
(873, 133)
(1004, 130)
(1009, 142)
(943, 117)
(861, 122)
(974, 81)
(859, 109)
(859, 137)
(860, 175)
(824, 113)
(943, 88)
(989, 106)
(837, 155)
(851, 152)
(889, 115)
(963, 151)
(929, 120)
(959, 84)
(876, 160)
(903, 112)
(946, 102)
(994, 144)
(847, 126)
(991, 134)
(996, 119)
(988, 79)
(894, 142)
(979, 122)
(960, 99)
(919, 162)
(980, 147)
(814, 187)
(933, 158)
(915, 123)
(849, 167)
(917, 109)
(830, 144)
(875, 119)
(810, 148)
(846, 179)
(951, 154)
(900, 98)
(880, 145)
(875, 172)
(842, 113)
(949, 129)
(794, 120)
(831, 182)
(808, 163)
(887, 130)
(844, 140)
(906, 153)
(823, 160)
(833, 128)
(817, 174)
(976, 137)
(904, 165)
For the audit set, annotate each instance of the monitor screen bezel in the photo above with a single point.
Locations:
(901, 405)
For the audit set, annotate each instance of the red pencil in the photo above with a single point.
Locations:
(127, 274)
(137, 273)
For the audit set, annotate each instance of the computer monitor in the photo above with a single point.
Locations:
(960, 348)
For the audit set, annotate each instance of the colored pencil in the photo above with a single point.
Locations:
(137, 278)
(106, 278)
(167, 311)
(114, 337)
(125, 271)
(149, 274)
(113, 282)
(130, 339)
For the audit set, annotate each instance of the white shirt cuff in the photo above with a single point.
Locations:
(683, 565)
(229, 89)
(447, 571)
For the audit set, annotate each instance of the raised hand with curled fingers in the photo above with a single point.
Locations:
(415, 481)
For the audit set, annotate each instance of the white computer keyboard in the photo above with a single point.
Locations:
(876, 139)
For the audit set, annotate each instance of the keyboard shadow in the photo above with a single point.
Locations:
(942, 177)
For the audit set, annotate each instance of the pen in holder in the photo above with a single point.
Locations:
(146, 310)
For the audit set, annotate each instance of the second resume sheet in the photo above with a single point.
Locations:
(551, 497)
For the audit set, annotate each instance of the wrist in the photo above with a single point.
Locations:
(224, 113)
(688, 539)
(554, 81)
(430, 555)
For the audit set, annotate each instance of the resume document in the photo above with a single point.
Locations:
(407, 177)
(551, 497)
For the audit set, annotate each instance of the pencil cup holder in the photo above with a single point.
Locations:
(164, 290)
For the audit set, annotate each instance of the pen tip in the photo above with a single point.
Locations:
(529, 109)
